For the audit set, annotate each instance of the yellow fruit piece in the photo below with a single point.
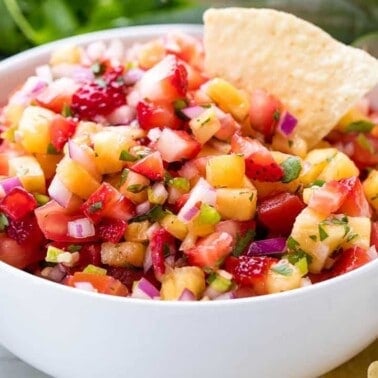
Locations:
(123, 254)
(359, 234)
(225, 171)
(84, 132)
(205, 126)
(188, 277)
(137, 231)
(197, 228)
(66, 54)
(370, 186)
(48, 163)
(277, 282)
(29, 172)
(34, 129)
(108, 146)
(151, 53)
(12, 114)
(294, 145)
(174, 226)
(353, 115)
(134, 186)
(236, 204)
(339, 167)
(75, 178)
(228, 98)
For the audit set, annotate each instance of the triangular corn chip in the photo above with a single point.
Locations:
(318, 78)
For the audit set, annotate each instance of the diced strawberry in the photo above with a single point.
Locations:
(180, 202)
(259, 162)
(250, 271)
(176, 145)
(111, 230)
(237, 230)
(166, 81)
(210, 251)
(351, 259)
(195, 77)
(279, 212)
(153, 114)
(162, 245)
(150, 166)
(126, 275)
(228, 126)
(355, 203)
(264, 112)
(374, 234)
(108, 202)
(25, 230)
(18, 203)
(61, 129)
(89, 254)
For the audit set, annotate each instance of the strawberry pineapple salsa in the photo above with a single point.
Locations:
(131, 173)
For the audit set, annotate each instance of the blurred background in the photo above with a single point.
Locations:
(26, 23)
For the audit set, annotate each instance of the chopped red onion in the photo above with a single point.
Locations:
(57, 273)
(226, 296)
(154, 134)
(287, 123)
(82, 157)
(192, 111)
(147, 263)
(81, 74)
(58, 192)
(81, 228)
(143, 208)
(87, 286)
(187, 295)
(267, 247)
(44, 73)
(190, 213)
(9, 183)
(189, 170)
(159, 193)
(144, 289)
(132, 76)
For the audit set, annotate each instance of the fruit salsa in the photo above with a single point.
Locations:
(130, 172)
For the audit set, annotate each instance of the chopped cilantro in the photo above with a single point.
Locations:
(205, 121)
(291, 167)
(180, 183)
(346, 230)
(318, 183)
(153, 215)
(276, 115)
(365, 143)
(96, 206)
(351, 236)
(322, 233)
(282, 268)
(66, 110)
(361, 126)
(3, 222)
(296, 256)
(136, 188)
(51, 150)
(124, 175)
(313, 237)
(126, 156)
(242, 242)
(292, 244)
(178, 105)
(74, 248)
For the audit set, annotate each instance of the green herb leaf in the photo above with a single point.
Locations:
(361, 126)
(318, 183)
(292, 244)
(96, 206)
(136, 188)
(126, 156)
(66, 111)
(276, 115)
(74, 248)
(322, 233)
(180, 183)
(296, 256)
(313, 237)
(51, 150)
(3, 222)
(124, 175)
(365, 143)
(291, 167)
(155, 214)
(242, 242)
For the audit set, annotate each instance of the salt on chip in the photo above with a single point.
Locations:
(317, 78)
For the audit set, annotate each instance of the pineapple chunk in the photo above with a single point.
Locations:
(34, 129)
(225, 171)
(48, 163)
(236, 204)
(198, 228)
(359, 234)
(174, 226)
(137, 231)
(150, 53)
(228, 98)
(12, 113)
(108, 146)
(75, 178)
(134, 186)
(123, 254)
(70, 54)
(339, 167)
(370, 186)
(205, 126)
(187, 277)
(353, 115)
(30, 173)
(294, 146)
(282, 276)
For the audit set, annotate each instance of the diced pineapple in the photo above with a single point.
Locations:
(84, 132)
(137, 231)
(174, 226)
(108, 146)
(34, 129)
(236, 204)
(228, 98)
(359, 233)
(209, 150)
(188, 277)
(282, 276)
(48, 163)
(353, 115)
(12, 114)
(317, 237)
(198, 228)
(205, 126)
(75, 178)
(314, 163)
(29, 171)
(294, 146)
(150, 53)
(134, 186)
(370, 186)
(266, 189)
(339, 167)
(225, 171)
(123, 254)
(70, 54)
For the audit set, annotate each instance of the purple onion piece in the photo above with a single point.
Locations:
(272, 246)
(187, 295)
(9, 183)
(147, 287)
(57, 273)
(132, 76)
(192, 111)
(287, 123)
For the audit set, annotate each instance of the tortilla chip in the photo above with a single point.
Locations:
(373, 370)
(316, 77)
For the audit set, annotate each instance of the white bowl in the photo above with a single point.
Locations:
(69, 333)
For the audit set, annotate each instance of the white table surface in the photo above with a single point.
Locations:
(12, 367)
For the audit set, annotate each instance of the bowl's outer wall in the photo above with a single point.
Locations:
(72, 334)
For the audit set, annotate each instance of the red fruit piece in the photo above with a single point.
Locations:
(162, 245)
(18, 203)
(176, 145)
(351, 259)
(355, 203)
(126, 275)
(251, 271)
(90, 254)
(100, 97)
(259, 162)
(61, 129)
(210, 251)
(151, 114)
(374, 235)
(111, 230)
(25, 230)
(150, 166)
(278, 213)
